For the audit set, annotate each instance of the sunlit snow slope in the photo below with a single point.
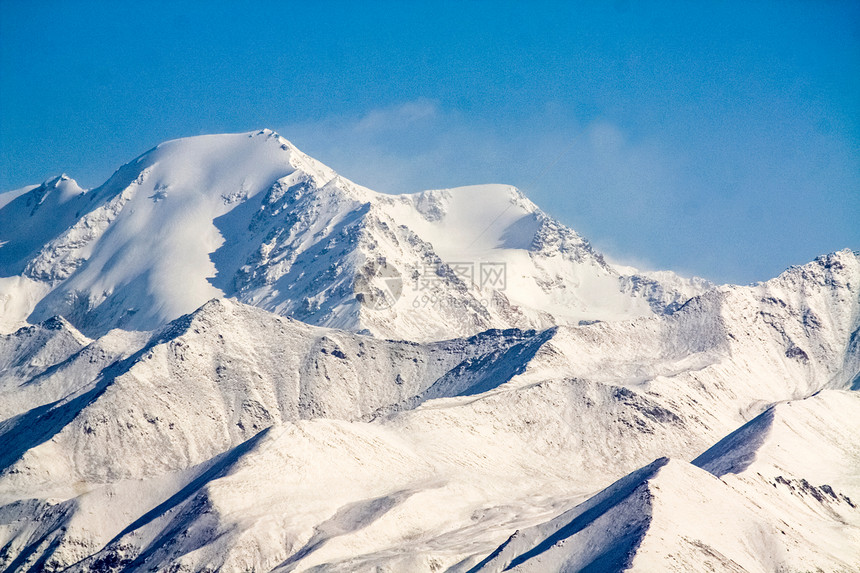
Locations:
(228, 358)
(250, 216)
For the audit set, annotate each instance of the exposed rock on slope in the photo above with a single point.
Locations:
(250, 216)
(149, 429)
(200, 432)
(761, 516)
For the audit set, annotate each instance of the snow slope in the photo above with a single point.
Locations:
(761, 516)
(47, 362)
(229, 358)
(250, 216)
(236, 439)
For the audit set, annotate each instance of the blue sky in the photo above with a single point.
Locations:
(714, 138)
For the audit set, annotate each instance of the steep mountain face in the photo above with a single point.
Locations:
(197, 448)
(31, 350)
(46, 362)
(761, 515)
(212, 380)
(250, 216)
(747, 347)
(237, 360)
(34, 218)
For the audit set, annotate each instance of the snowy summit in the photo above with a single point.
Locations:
(230, 358)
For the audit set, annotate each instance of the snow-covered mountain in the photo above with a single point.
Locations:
(744, 505)
(228, 358)
(249, 216)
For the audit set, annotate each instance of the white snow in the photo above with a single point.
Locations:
(217, 395)
(250, 216)
(7, 197)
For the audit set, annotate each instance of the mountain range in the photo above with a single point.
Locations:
(230, 358)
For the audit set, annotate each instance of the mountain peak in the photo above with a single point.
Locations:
(273, 341)
(55, 181)
(65, 185)
(248, 215)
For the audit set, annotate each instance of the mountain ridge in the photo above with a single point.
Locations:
(259, 220)
(230, 358)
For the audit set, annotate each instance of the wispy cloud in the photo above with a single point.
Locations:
(409, 147)
(593, 175)
(640, 200)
